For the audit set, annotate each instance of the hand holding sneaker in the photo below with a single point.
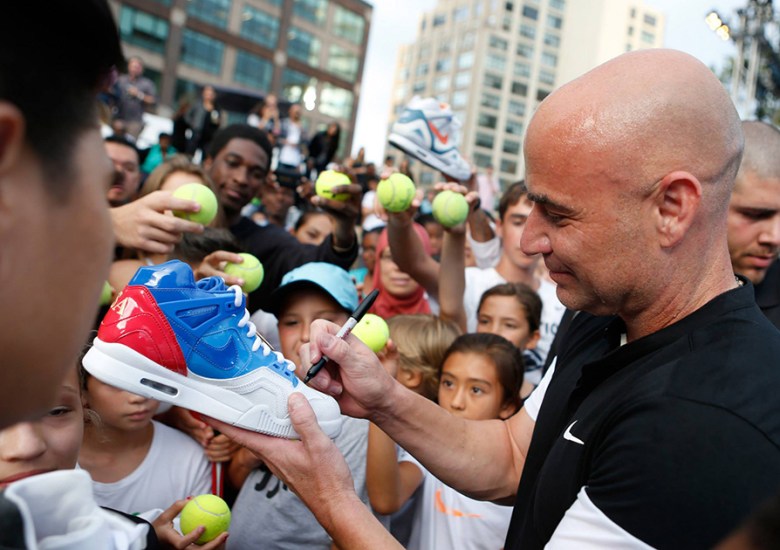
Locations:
(192, 345)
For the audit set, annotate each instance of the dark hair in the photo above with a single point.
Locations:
(121, 140)
(513, 194)
(79, 42)
(528, 298)
(303, 218)
(507, 358)
(422, 219)
(193, 247)
(240, 131)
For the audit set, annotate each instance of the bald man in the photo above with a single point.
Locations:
(754, 216)
(659, 424)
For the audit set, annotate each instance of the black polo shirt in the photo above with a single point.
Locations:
(768, 294)
(675, 436)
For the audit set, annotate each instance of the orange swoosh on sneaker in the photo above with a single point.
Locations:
(444, 509)
(435, 130)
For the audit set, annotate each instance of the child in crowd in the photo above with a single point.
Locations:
(480, 379)
(416, 348)
(364, 276)
(435, 232)
(514, 311)
(266, 513)
(137, 463)
(398, 292)
(50, 444)
(312, 227)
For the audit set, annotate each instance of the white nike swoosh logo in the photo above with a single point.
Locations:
(567, 435)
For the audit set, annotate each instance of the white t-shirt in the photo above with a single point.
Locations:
(479, 280)
(447, 519)
(291, 151)
(174, 468)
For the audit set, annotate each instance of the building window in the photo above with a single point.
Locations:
(552, 40)
(528, 31)
(490, 101)
(311, 10)
(511, 147)
(460, 14)
(495, 62)
(465, 60)
(468, 41)
(547, 77)
(462, 80)
(524, 50)
(142, 29)
(482, 161)
(549, 59)
(422, 69)
(630, 31)
(541, 94)
(418, 87)
(460, 99)
(439, 20)
(516, 108)
(530, 12)
(514, 128)
(518, 88)
(443, 65)
(213, 12)
(342, 62)
(647, 37)
(259, 27)
(492, 81)
(487, 121)
(441, 84)
(508, 166)
(201, 51)
(522, 70)
(336, 102)
(498, 43)
(348, 24)
(557, 4)
(295, 84)
(649, 20)
(303, 46)
(554, 22)
(633, 13)
(403, 74)
(253, 71)
(484, 140)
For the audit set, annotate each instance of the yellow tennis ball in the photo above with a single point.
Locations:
(329, 179)
(450, 208)
(106, 294)
(202, 195)
(208, 510)
(372, 331)
(395, 193)
(251, 270)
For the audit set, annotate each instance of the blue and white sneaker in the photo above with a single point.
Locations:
(428, 131)
(191, 344)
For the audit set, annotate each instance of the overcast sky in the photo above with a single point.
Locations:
(394, 22)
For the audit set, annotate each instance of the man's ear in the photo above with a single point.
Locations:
(677, 201)
(12, 131)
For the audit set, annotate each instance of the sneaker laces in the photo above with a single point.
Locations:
(252, 330)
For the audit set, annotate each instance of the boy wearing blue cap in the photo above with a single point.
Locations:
(266, 512)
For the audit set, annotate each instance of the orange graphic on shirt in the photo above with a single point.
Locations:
(444, 509)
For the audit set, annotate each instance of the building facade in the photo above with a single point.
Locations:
(494, 61)
(306, 51)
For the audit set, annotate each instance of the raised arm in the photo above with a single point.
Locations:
(409, 253)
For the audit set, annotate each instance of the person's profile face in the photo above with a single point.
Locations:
(239, 170)
(47, 444)
(300, 309)
(119, 410)
(510, 229)
(754, 226)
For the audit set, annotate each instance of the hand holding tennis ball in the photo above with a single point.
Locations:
(250, 270)
(329, 179)
(202, 195)
(372, 331)
(208, 510)
(450, 208)
(396, 193)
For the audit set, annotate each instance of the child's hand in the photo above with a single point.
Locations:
(169, 537)
(389, 358)
(183, 420)
(213, 264)
(472, 198)
(221, 448)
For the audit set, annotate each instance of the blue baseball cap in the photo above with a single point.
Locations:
(331, 279)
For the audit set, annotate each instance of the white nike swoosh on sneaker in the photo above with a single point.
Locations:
(567, 435)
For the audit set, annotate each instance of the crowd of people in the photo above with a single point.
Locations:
(589, 361)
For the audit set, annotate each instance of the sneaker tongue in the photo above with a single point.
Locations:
(215, 284)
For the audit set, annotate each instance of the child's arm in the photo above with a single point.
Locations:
(389, 483)
(244, 461)
(408, 252)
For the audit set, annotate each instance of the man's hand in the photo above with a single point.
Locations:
(213, 264)
(354, 376)
(144, 225)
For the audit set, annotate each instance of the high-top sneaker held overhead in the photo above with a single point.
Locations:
(191, 344)
(428, 131)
